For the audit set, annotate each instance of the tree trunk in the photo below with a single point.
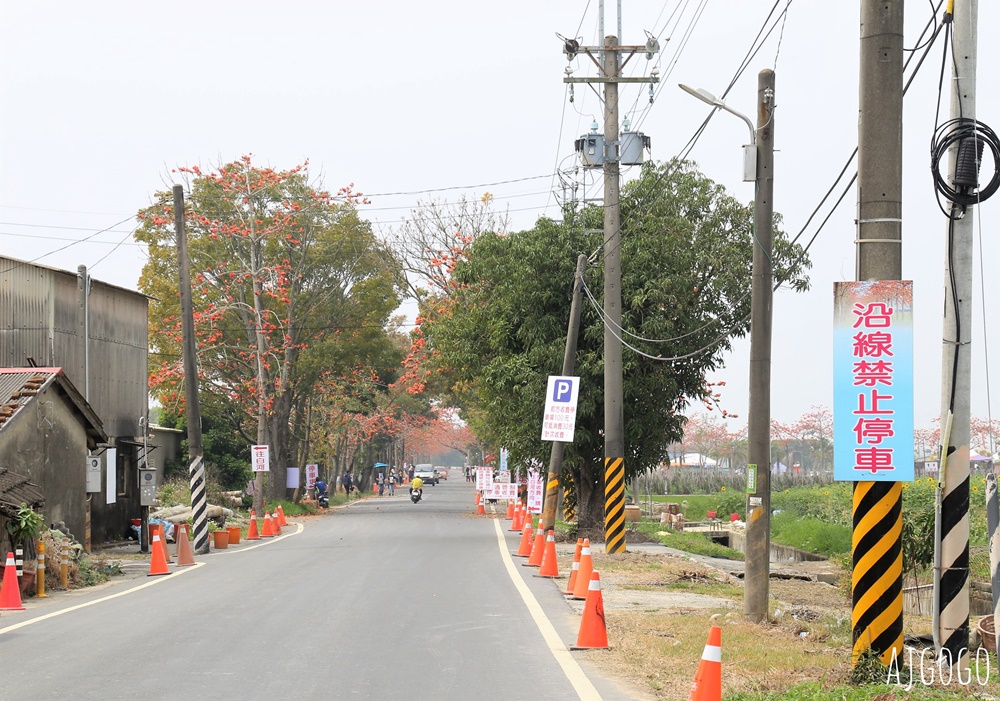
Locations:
(590, 500)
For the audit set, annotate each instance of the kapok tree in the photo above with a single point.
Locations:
(286, 279)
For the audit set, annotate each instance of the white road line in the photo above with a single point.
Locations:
(585, 691)
(150, 583)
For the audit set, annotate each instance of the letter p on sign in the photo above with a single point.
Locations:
(562, 391)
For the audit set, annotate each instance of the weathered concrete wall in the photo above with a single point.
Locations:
(779, 553)
(46, 442)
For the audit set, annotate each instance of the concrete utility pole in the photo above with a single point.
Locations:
(614, 420)
(614, 414)
(951, 556)
(758, 547)
(877, 582)
(196, 469)
(568, 366)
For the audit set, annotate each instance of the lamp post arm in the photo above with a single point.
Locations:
(753, 131)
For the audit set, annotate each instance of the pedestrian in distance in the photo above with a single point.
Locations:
(381, 483)
(348, 483)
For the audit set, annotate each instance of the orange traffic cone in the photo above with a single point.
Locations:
(537, 549)
(517, 517)
(252, 533)
(583, 573)
(708, 680)
(481, 509)
(281, 514)
(158, 561)
(524, 550)
(510, 509)
(549, 566)
(276, 523)
(163, 542)
(184, 554)
(10, 592)
(479, 498)
(268, 528)
(593, 630)
(576, 568)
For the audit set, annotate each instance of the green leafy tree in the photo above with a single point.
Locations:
(686, 252)
(288, 283)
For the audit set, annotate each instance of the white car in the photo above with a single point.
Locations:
(425, 471)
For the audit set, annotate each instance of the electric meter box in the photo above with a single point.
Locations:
(591, 150)
(94, 473)
(147, 487)
(633, 145)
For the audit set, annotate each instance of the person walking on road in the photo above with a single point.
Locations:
(381, 483)
(348, 483)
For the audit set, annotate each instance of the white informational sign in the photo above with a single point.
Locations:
(501, 490)
(502, 476)
(536, 492)
(559, 421)
(484, 478)
(111, 468)
(931, 467)
(292, 478)
(312, 472)
(503, 460)
(260, 458)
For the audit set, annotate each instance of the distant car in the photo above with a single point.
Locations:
(442, 472)
(426, 472)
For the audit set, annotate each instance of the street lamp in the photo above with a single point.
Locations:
(758, 166)
(710, 99)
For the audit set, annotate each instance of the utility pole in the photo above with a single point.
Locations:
(951, 543)
(758, 547)
(877, 582)
(614, 414)
(611, 65)
(196, 469)
(569, 364)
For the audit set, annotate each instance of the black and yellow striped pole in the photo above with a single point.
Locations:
(569, 499)
(877, 575)
(614, 505)
(877, 579)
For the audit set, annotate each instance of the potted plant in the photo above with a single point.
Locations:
(25, 527)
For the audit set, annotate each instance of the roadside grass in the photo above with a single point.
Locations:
(813, 691)
(695, 543)
(756, 658)
(797, 657)
(810, 534)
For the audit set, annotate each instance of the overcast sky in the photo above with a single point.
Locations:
(99, 101)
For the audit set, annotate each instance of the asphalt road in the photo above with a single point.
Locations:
(382, 600)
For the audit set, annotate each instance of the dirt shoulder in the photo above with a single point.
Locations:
(661, 603)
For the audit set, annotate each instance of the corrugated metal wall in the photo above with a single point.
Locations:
(41, 310)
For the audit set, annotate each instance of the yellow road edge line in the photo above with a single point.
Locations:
(585, 690)
(150, 583)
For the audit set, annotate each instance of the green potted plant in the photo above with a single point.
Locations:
(25, 527)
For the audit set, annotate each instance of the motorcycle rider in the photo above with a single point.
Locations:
(417, 486)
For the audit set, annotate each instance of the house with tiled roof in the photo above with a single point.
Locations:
(47, 429)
